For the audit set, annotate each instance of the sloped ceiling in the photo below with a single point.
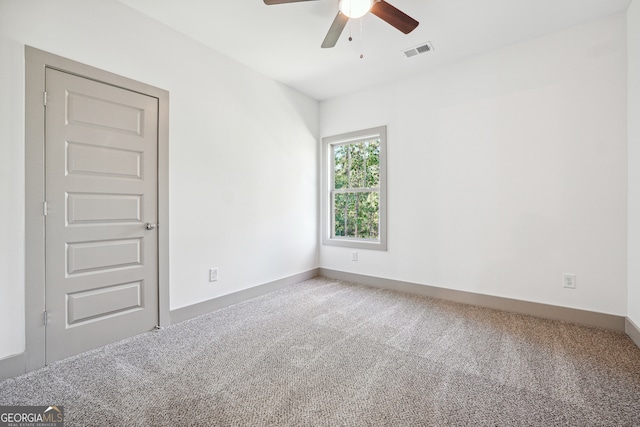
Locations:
(283, 41)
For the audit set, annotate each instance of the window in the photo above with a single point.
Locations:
(354, 189)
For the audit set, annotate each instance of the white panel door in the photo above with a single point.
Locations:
(101, 190)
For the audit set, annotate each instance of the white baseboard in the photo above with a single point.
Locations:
(633, 331)
(584, 317)
(12, 366)
(195, 310)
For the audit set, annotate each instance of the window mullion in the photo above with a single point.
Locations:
(356, 190)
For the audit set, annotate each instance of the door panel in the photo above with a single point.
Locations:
(101, 189)
(103, 208)
(103, 255)
(91, 160)
(93, 303)
(86, 110)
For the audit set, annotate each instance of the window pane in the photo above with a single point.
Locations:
(368, 215)
(373, 164)
(357, 154)
(356, 215)
(341, 164)
(357, 165)
(340, 214)
(344, 214)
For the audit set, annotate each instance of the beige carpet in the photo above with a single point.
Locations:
(329, 353)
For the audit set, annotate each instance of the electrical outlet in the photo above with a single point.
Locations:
(354, 256)
(569, 281)
(213, 274)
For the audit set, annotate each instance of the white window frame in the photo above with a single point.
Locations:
(328, 229)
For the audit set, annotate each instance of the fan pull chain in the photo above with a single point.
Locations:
(361, 38)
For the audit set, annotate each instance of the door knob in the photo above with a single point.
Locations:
(150, 226)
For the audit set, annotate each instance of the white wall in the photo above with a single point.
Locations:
(11, 198)
(633, 82)
(505, 170)
(243, 158)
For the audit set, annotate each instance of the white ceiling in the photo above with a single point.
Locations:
(283, 41)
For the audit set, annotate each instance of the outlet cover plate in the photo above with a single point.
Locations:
(569, 281)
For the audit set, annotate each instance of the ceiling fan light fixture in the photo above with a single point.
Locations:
(355, 8)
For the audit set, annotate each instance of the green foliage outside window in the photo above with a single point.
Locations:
(356, 189)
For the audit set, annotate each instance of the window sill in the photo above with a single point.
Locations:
(373, 245)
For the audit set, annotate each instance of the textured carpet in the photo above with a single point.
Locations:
(330, 353)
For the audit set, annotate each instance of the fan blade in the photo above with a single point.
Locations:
(270, 2)
(394, 16)
(336, 29)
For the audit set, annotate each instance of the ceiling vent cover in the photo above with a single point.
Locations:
(415, 51)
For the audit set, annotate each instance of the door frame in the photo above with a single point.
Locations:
(36, 62)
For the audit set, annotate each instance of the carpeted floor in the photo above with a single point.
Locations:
(330, 353)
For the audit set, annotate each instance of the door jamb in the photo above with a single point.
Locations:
(36, 61)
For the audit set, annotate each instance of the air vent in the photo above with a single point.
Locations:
(415, 51)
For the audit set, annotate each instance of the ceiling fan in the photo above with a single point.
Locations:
(356, 9)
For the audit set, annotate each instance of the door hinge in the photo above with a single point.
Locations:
(45, 318)
(44, 98)
(45, 208)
